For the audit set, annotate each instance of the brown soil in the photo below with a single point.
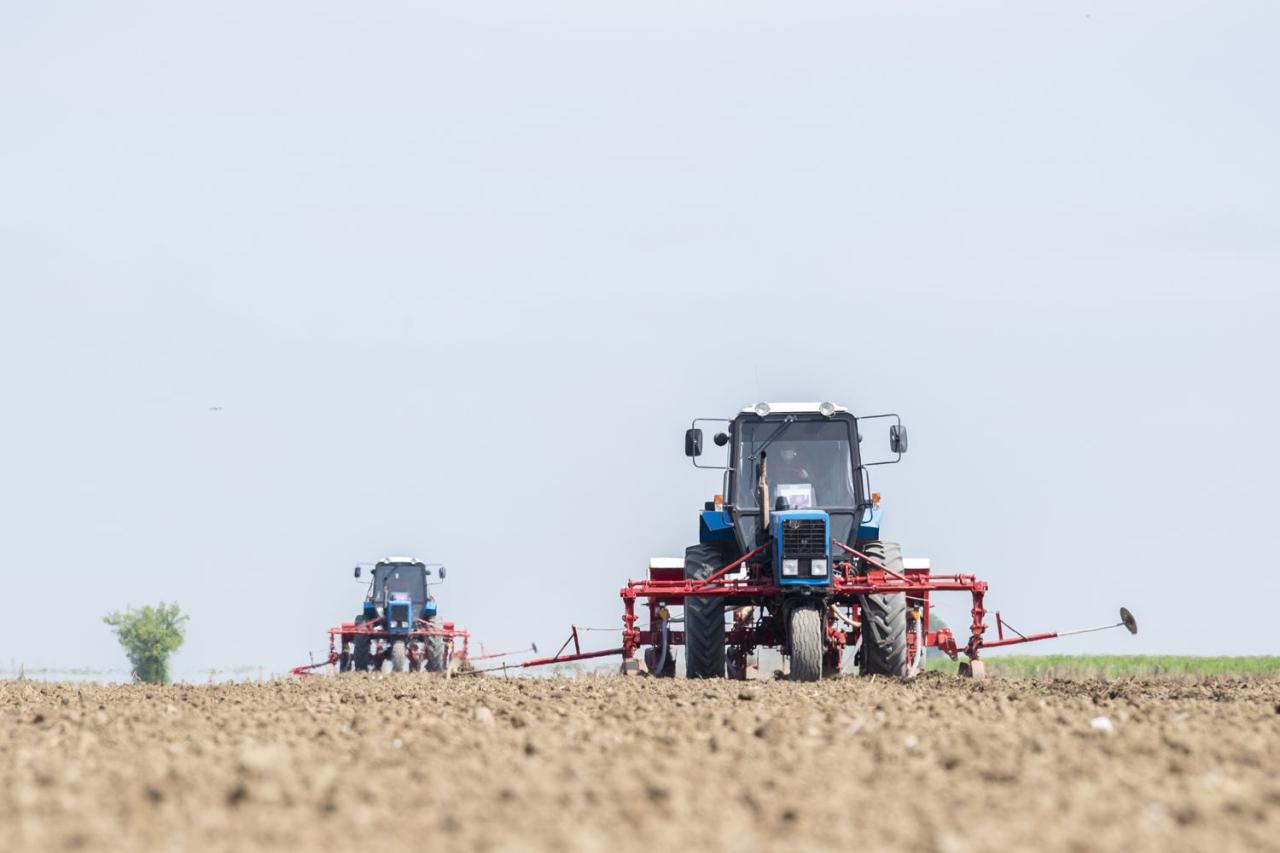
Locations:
(415, 762)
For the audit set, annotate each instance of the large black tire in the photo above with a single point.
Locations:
(703, 616)
(884, 620)
(435, 654)
(360, 657)
(805, 639)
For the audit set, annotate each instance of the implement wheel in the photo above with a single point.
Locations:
(703, 616)
(668, 668)
(884, 619)
(805, 639)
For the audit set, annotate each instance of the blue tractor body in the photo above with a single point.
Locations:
(400, 618)
(399, 594)
(869, 525)
(715, 526)
(801, 547)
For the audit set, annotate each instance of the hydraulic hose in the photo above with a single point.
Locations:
(662, 655)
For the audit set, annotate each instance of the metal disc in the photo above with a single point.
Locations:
(1126, 618)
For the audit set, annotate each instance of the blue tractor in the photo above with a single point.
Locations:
(796, 525)
(791, 548)
(397, 629)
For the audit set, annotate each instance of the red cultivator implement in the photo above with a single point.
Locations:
(753, 626)
(427, 648)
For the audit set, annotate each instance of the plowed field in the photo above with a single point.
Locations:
(413, 762)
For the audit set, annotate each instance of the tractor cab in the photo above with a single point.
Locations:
(794, 476)
(398, 593)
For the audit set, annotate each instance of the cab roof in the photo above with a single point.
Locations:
(792, 408)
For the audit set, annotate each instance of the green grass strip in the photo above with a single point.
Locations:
(1115, 666)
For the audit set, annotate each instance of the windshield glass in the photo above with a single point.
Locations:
(810, 463)
(399, 581)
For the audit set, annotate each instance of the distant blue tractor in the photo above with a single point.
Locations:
(397, 630)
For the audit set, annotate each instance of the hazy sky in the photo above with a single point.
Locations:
(460, 274)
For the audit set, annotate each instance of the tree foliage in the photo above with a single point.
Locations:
(149, 635)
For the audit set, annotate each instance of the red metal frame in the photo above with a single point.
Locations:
(348, 631)
(663, 587)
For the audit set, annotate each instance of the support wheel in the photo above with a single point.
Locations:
(884, 620)
(668, 668)
(833, 663)
(739, 666)
(805, 640)
(703, 616)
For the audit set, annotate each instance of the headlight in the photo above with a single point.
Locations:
(818, 567)
(761, 409)
(791, 567)
(826, 409)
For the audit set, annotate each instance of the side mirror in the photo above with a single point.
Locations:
(693, 442)
(442, 573)
(898, 439)
(721, 439)
(357, 571)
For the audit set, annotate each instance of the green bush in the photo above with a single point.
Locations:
(149, 635)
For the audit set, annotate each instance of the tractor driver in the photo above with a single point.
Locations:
(791, 479)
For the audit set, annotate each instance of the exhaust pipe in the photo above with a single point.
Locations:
(762, 488)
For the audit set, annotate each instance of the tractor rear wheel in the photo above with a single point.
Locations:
(360, 657)
(703, 616)
(399, 657)
(805, 640)
(884, 619)
(435, 654)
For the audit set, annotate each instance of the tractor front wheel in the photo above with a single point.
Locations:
(703, 616)
(884, 619)
(805, 640)
(399, 657)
